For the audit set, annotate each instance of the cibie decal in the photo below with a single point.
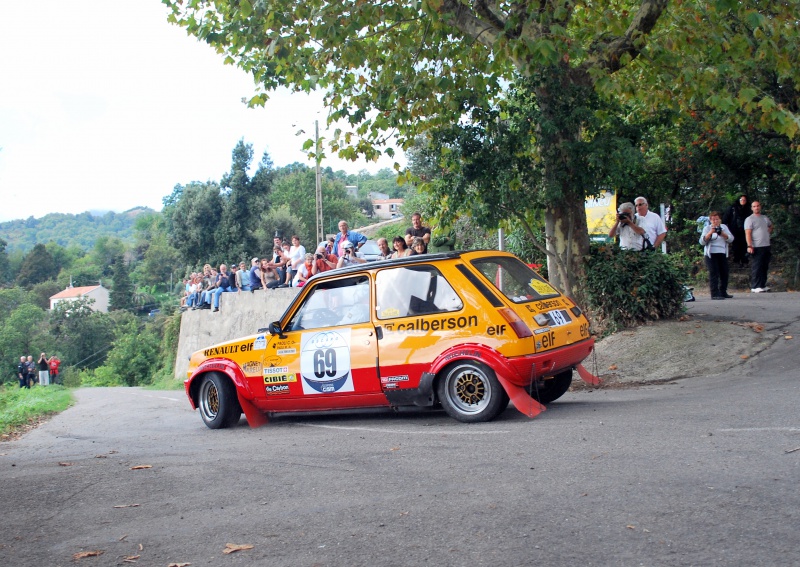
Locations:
(260, 343)
(325, 362)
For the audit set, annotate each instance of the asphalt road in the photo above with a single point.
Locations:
(701, 471)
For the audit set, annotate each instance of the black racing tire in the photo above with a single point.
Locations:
(470, 392)
(217, 401)
(553, 388)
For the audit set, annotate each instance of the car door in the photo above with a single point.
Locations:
(327, 353)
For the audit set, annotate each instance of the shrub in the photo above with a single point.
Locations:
(625, 288)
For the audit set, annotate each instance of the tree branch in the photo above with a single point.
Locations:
(609, 54)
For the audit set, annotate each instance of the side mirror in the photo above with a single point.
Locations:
(275, 329)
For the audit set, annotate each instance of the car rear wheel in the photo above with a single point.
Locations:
(470, 392)
(217, 402)
(547, 391)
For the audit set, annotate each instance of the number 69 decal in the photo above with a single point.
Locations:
(325, 362)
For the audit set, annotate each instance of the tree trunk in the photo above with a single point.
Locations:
(568, 240)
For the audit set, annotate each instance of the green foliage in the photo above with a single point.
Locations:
(624, 288)
(22, 332)
(42, 292)
(121, 294)
(5, 267)
(134, 354)
(36, 267)
(81, 335)
(72, 232)
(20, 406)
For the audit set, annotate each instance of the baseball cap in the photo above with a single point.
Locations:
(348, 244)
(254, 260)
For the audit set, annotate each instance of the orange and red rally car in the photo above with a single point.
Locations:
(467, 330)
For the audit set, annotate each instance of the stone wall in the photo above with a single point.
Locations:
(239, 315)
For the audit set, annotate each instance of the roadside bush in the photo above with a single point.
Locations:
(625, 288)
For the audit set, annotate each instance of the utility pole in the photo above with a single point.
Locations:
(320, 227)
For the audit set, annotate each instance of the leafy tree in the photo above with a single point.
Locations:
(121, 295)
(11, 298)
(5, 271)
(82, 335)
(417, 66)
(134, 354)
(234, 235)
(36, 267)
(193, 220)
(42, 292)
(21, 334)
(280, 219)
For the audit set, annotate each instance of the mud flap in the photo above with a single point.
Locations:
(522, 400)
(255, 418)
(587, 376)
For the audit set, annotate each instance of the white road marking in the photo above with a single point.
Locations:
(159, 397)
(379, 430)
(761, 429)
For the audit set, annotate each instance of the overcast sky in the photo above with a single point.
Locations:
(104, 105)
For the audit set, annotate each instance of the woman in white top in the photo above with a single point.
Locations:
(716, 239)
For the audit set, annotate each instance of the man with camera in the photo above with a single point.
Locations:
(716, 239)
(628, 227)
(323, 261)
(350, 256)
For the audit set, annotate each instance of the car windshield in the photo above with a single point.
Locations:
(514, 279)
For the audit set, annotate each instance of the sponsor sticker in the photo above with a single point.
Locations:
(277, 389)
(284, 351)
(252, 367)
(280, 379)
(433, 324)
(260, 343)
(273, 370)
(542, 288)
(325, 362)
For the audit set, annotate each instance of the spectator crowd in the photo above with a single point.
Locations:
(291, 265)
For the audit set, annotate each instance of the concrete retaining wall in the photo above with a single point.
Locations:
(239, 315)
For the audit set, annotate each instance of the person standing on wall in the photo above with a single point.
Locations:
(757, 230)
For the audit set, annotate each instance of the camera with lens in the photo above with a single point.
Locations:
(318, 256)
(718, 230)
(624, 216)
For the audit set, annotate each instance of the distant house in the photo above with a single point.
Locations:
(96, 292)
(386, 208)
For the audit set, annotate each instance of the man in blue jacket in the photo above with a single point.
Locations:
(347, 235)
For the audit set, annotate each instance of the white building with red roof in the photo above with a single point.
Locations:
(96, 292)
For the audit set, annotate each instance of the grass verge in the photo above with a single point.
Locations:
(20, 408)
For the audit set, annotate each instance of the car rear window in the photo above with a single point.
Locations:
(514, 279)
(415, 290)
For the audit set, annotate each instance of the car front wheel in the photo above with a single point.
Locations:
(550, 390)
(217, 402)
(470, 392)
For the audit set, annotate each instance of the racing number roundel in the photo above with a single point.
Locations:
(325, 362)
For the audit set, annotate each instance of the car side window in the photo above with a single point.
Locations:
(332, 303)
(415, 290)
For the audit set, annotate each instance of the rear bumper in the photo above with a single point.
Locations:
(548, 363)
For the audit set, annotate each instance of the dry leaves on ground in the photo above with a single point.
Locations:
(140, 467)
(234, 547)
(178, 564)
(83, 554)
